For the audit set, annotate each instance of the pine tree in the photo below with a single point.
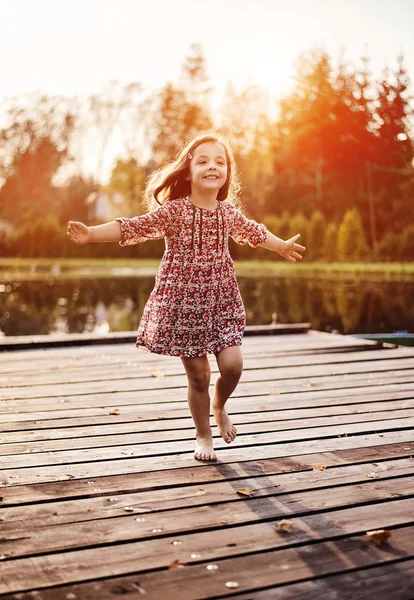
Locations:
(392, 169)
(316, 234)
(352, 245)
(394, 148)
(330, 243)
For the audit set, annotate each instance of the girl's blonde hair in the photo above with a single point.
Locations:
(172, 180)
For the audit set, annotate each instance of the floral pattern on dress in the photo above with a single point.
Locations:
(195, 307)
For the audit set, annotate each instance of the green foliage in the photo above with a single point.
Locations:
(330, 243)
(389, 247)
(316, 233)
(273, 224)
(299, 224)
(128, 179)
(35, 141)
(332, 154)
(180, 112)
(352, 245)
(407, 243)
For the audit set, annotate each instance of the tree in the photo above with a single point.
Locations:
(389, 247)
(352, 245)
(180, 112)
(299, 224)
(407, 244)
(106, 113)
(316, 233)
(34, 145)
(330, 243)
(304, 140)
(128, 178)
(394, 149)
(72, 198)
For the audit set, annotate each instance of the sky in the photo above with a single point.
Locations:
(73, 47)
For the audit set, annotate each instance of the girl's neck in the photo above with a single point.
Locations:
(204, 200)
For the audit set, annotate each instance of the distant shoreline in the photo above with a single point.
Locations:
(27, 269)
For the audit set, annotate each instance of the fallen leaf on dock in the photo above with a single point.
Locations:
(319, 467)
(157, 373)
(114, 412)
(379, 536)
(245, 492)
(373, 475)
(176, 564)
(284, 525)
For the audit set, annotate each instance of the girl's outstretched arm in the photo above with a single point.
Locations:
(79, 233)
(286, 248)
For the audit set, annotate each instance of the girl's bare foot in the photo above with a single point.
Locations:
(204, 448)
(226, 429)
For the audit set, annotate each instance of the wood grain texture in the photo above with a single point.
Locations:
(92, 503)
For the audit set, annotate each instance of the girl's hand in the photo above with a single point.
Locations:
(78, 233)
(291, 250)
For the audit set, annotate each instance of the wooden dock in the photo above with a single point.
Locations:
(101, 497)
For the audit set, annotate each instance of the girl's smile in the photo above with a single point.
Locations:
(208, 166)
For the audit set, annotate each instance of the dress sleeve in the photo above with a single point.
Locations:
(151, 226)
(246, 231)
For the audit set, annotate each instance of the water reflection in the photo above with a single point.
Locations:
(101, 305)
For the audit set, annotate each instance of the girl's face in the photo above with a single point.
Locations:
(208, 167)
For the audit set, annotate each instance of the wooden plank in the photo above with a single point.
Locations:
(121, 337)
(256, 424)
(200, 474)
(399, 368)
(101, 452)
(278, 565)
(122, 371)
(394, 580)
(150, 408)
(344, 405)
(84, 358)
(309, 339)
(72, 430)
(175, 409)
(158, 393)
(232, 510)
(90, 469)
(88, 509)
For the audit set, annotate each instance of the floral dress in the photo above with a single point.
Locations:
(195, 307)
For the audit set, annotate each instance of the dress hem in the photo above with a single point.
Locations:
(215, 350)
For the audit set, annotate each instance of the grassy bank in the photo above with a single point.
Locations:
(37, 269)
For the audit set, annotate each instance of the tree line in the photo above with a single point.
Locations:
(335, 163)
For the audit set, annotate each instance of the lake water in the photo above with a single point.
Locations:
(105, 304)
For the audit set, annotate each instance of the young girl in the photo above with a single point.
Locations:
(195, 308)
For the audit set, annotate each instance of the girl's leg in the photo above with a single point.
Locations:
(198, 374)
(230, 364)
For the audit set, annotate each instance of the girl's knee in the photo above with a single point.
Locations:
(199, 380)
(198, 373)
(232, 371)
